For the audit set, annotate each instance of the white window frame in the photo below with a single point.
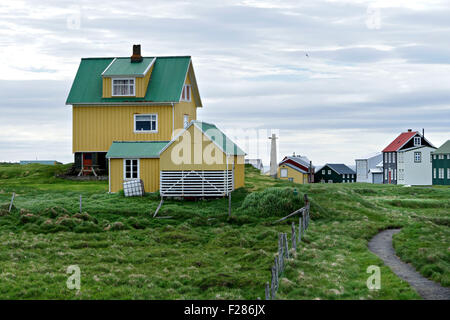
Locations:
(130, 86)
(393, 157)
(419, 160)
(283, 173)
(417, 141)
(448, 173)
(291, 179)
(385, 174)
(146, 131)
(125, 171)
(448, 156)
(330, 181)
(329, 171)
(395, 174)
(390, 157)
(186, 88)
(441, 173)
(323, 172)
(434, 173)
(441, 157)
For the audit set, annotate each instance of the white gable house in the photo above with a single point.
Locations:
(414, 166)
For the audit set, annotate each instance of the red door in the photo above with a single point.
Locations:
(87, 162)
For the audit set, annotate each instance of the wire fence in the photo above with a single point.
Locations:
(283, 253)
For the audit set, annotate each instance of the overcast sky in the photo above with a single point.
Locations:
(336, 79)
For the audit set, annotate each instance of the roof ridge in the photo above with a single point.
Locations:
(165, 57)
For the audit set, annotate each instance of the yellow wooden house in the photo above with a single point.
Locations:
(296, 169)
(136, 118)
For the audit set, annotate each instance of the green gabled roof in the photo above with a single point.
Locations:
(166, 81)
(136, 149)
(123, 67)
(444, 149)
(214, 133)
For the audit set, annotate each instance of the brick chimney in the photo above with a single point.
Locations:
(136, 57)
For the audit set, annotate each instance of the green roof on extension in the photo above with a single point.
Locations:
(444, 149)
(136, 149)
(166, 81)
(215, 135)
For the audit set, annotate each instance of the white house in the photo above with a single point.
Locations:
(365, 166)
(414, 166)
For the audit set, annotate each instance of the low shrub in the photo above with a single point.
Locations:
(274, 201)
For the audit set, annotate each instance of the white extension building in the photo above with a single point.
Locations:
(366, 167)
(414, 166)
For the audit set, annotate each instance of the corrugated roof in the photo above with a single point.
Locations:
(445, 148)
(136, 149)
(215, 134)
(166, 81)
(340, 168)
(124, 67)
(302, 160)
(294, 167)
(399, 141)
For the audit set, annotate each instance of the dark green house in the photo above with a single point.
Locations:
(441, 164)
(335, 173)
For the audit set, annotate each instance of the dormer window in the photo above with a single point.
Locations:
(123, 87)
(186, 93)
(417, 141)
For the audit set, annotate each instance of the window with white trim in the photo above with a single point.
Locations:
(393, 157)
(385, 174)
(283, 173)
(323, 171)
(448, 156)
(291, 179)
(130, 169)
(185, 121)
(448, 173)
(417, 157)
(417, 141)
(434, 157)
(329, 171)
(186, 93)
(390, 157)
(330, 181)
(395, 174)
(123, 87)
(441, 157)
(144, 123)
(441, 173)
(400, 157)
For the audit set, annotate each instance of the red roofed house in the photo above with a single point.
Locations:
(407, 160)
(296, 169)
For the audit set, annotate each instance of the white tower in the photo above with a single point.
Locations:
(273, 156)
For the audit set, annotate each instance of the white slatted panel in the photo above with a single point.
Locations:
(196, 183)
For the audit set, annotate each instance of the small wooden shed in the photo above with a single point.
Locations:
(200, 161)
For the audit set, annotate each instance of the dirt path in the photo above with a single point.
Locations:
(381, 245)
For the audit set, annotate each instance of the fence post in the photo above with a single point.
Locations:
(267, 291)
(299, 230)
(294, 245)
(81, 204)
(12, 201)
(286, 245)
(273, 283)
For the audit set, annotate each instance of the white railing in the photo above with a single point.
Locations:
(196, 183)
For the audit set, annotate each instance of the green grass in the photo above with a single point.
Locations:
(200, 253)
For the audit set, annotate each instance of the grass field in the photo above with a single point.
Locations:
(200, 253)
